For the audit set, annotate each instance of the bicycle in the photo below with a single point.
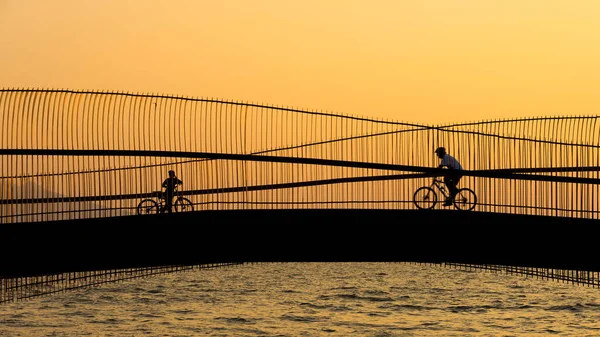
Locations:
(148, 206)
(426, 197)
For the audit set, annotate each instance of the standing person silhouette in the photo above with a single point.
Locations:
(453, 176)
(170, 184)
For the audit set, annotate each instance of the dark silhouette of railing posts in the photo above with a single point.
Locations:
(69, 154)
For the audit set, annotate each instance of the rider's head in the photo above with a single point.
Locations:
(440, 151)
(171, 173)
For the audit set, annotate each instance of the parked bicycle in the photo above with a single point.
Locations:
(150, 206)
(426, 197)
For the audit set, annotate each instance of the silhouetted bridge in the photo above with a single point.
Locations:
(275, 183)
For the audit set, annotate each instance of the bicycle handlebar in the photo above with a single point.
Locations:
(163, 192)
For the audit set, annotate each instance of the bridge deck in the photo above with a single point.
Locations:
(298, 235)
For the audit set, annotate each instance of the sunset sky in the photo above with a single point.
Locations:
(427, 61)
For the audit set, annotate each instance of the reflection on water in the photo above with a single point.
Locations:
(314, 299)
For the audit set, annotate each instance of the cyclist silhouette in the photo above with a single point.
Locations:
(453, 176)
(170, 184)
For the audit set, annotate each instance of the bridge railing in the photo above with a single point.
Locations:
(380, 191)
(78, 154)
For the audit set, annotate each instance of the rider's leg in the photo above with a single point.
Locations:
(169, 203)
(449, 181)
(453, 183)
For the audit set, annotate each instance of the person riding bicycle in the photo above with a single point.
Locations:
(170, 184)
(451, 178)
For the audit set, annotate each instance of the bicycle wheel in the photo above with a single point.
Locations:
(147, 206)
(425, 198)
(183, 205)
(465, 199)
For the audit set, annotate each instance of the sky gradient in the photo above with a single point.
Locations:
(427, 61)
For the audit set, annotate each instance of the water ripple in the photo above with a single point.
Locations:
(313, 299)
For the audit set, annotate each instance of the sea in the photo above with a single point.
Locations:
(314, 299)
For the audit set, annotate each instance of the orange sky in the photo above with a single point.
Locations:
(428, 61)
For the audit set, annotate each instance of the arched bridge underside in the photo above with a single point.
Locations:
(84, 160)
(207, 237)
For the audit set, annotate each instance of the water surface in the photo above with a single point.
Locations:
(314, 299)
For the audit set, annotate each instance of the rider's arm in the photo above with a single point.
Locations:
(444, 162)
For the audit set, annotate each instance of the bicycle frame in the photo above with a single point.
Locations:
(440, 186)
(162, 201)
